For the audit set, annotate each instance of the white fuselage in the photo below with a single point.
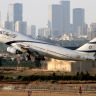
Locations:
(44, 48)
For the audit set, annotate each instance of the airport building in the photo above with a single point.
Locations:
(59, 65)
(70, 66)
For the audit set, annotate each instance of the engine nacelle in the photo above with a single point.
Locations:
(13, 50)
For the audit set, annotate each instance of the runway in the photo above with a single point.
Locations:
(49, 90)
(12, 93)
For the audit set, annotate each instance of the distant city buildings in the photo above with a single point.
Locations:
(55, 20)
(66, 37)
(65, 16)
(59, 21)
(33, 31)
(9, 24)
(60, 18)
(59, 27)
(21, 26)
(18, 12)
(14, 20)
(78, 21)
(44, 33)
(10, 13)
(92, 30)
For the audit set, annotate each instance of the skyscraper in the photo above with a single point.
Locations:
(21, 26)
(56, 20)
(93, 30)
(33, 31)
(9, 24)
(65, 19)
(10, 14)
(78, 20)
(18, 11)
(60, 19)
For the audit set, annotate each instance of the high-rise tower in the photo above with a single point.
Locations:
(65, 19)
(33, 31)
(78, 20)
(18, 11)
(60, 19)
(9, 24)
(56, 20)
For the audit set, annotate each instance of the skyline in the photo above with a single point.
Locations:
(39, 17)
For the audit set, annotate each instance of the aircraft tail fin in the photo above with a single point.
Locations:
(89, 47)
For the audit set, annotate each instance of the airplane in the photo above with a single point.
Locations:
(19, 43)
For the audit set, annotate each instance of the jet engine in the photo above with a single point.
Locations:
(13, 50)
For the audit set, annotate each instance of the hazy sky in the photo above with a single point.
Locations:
(36, 11)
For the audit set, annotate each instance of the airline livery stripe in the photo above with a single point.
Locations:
(92, 43)
(10, 42)
(89, 51)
